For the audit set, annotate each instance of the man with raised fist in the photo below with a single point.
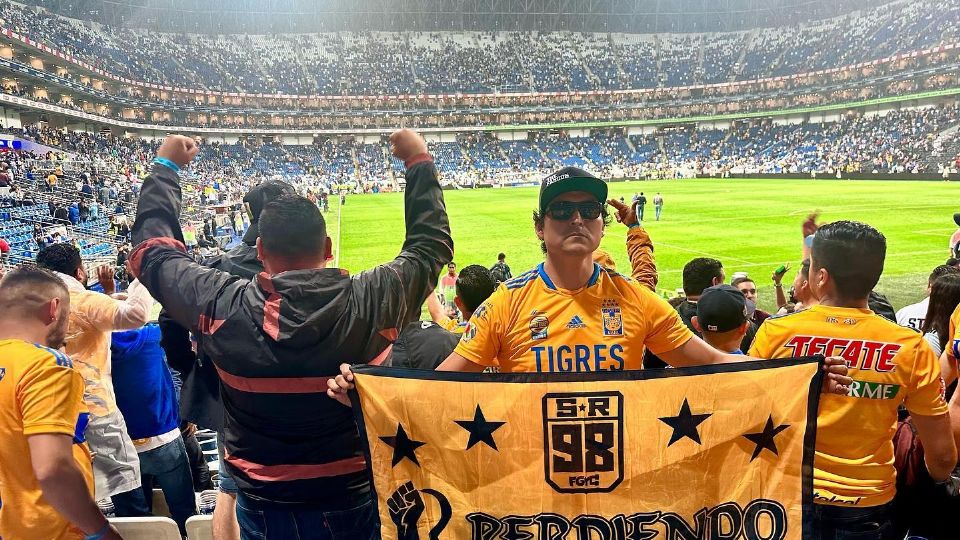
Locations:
(276, 339)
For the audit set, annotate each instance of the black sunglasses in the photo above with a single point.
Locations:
(563, 210)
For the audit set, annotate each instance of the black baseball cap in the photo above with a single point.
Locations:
(570, 179)
(956, 218)
(257, 198)
(722, 308)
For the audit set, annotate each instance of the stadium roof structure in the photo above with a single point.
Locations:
(308, 16)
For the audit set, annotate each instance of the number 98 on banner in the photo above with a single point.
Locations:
(583, 441)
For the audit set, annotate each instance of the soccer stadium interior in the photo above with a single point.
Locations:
(504, 93)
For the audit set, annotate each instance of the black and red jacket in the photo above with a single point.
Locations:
(276, 340)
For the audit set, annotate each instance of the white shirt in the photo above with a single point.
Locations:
(912, 316)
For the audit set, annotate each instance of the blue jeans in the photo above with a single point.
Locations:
(169, 466)
(259, 522)
(227, 483)
(852, 523)
(658, 209)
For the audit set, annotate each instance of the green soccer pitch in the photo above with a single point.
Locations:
(749, 225)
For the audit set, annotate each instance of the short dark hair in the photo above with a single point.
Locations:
(852, 253)
(63, 258)
(28, 285)
(474, 285)
(941, 270)
(291, 226)
(501, 256)
(699, 273)
(805, 268)
(742, 279)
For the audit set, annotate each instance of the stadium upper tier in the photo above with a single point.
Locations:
(431, 63)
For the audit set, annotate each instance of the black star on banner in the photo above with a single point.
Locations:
(480, 429)
(685, 424)
(764, 439)
(403, 446)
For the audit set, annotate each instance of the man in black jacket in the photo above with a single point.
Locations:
(200, 401)
(276, 340)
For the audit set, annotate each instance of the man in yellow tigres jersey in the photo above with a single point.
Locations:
(854, 477)
(46, 477)
(569, 314)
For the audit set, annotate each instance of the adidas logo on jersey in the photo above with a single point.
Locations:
(576, 322)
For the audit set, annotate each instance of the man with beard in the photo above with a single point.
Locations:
(46, 482)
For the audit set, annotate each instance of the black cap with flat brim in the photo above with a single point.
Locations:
(570, 179)
(257, 198)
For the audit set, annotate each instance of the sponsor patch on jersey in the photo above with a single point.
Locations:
(612, 318)
(538, 325)
(873, 390)
(576, 322)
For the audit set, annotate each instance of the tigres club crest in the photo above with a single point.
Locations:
(612, 318)
(583, 441)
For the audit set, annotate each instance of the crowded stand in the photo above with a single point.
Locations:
(425, 63)
(179, 354)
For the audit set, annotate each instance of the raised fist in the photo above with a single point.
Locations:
(810, 224)
(105, 275)
(406, 506)
(178, 149)
(406, 143)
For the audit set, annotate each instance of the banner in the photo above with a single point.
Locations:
(714, 452)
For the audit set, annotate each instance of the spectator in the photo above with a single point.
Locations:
(93, 316)
(943, 301)
(749, 289)
(46, 477)
(912, 316)
(249, 329)
(148, 401)
(723, 315)
(4, 252)
(854, 442)
(501, 270)
(74, 214)
(200, 396)
(423, 345)
(801, 296)
(448, 285)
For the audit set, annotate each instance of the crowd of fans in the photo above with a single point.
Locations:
(140, 417)
(898, 142)
(391, 64)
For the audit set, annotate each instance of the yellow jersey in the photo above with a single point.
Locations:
(452, 325)
(40, 393)
(889, 365)
(528, 325)
(953, 341)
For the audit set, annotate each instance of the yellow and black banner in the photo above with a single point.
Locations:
(714, 453)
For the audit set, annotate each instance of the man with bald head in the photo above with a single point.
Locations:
(46, 482)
